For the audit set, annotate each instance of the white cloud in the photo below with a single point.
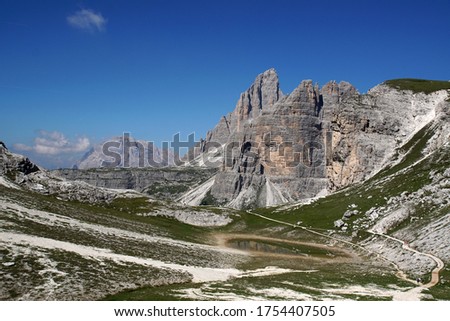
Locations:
(87, 20)
(23, 147)
(54, 143)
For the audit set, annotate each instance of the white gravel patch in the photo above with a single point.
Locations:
(200, 274)
(5, 182)
(60, 220)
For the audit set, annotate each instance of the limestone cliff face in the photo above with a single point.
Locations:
(269, 164)
(366, 129)
(261, 96)
(315, 140)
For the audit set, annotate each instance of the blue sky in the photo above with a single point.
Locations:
(73, 73)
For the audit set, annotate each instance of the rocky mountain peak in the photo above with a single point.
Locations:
(334, 92)
(306, 92)
(262, 95)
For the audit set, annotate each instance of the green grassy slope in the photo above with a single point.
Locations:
(418, 85)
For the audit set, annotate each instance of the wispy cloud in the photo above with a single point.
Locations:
(87, 20)
(54, 143)
(23, 147)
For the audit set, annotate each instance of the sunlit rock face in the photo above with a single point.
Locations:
(280, 148)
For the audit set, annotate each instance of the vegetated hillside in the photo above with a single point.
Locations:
(418, 85)
(64, 240)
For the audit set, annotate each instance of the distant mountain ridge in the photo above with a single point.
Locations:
(125, 151)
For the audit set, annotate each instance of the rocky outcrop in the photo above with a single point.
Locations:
(17, 171)
(160, 183)
(48, 184)
(13, 164)
(100, 184)
(279, 148)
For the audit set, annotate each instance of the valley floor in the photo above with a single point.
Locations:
(58, 250)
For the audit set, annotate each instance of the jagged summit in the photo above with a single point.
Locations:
(339, 91)
(262, 95)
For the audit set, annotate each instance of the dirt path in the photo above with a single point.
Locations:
(400, 273)
(434, 273)
(313, 232)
